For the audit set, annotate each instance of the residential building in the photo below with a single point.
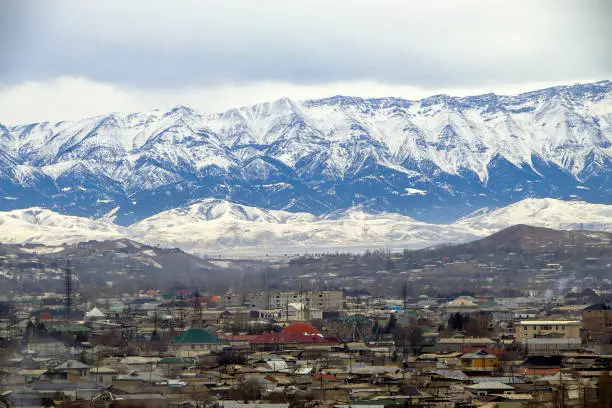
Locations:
(548, 336)
(323, 300)
(103, 375)
(597, 321)
(479, 360)
(194, 342)
(462, 305)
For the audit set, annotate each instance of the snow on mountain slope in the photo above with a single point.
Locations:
(43, 226)
(321, 155)
(219, 226)
(546, 212)
(211, 209)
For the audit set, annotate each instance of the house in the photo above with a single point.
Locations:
(479, 360)
(139, 363)
(490, 387)
(95, 314)
(103, 375)
(462, 305)
(194, 342)
(136, 376)
(535, 366)
(70, 369)
(548, 336)
(597, 321)
(450, 344)
(68, 390)
(298, 311)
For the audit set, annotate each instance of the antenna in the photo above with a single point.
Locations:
(154, 335)
(68, 289)
(197, 310)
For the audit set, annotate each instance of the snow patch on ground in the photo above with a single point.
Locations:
(415, 191)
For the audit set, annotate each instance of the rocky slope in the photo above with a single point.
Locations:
(433, 159)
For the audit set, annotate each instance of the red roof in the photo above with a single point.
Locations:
(45, 316)
(280, 338)
(288, 338)
(301, 328)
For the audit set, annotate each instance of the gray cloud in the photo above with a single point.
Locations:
(451, 44)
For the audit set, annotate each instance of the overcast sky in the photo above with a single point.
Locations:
(70, 59)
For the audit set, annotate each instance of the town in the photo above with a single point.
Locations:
(305, 204)
(305, 347)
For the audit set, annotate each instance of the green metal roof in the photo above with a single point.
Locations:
(196, 336)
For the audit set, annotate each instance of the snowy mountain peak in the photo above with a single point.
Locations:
(545, 212)
(218, 209)
(319, 156)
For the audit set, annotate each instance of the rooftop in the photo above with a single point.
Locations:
(196, 335)
(71, 364)
(549, 322)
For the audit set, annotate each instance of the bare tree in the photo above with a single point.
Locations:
(249, 389)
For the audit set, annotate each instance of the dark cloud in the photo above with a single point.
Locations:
(198, 43)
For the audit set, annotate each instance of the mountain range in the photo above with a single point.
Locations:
(215, 226)
(316, 162)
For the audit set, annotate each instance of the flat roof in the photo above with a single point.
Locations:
(549, 322)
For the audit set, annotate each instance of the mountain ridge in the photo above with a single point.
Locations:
(218, 226)
(320, 156)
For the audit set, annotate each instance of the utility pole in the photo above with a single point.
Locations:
(68, 289)
(12, 320)
(322, 389)
(197, 310)
(154, 335)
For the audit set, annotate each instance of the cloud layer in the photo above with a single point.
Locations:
(143, 50)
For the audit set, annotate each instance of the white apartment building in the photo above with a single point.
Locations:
(313, 300)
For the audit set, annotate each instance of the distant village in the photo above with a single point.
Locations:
(304, 348)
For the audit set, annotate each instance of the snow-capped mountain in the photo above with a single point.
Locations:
(219, 226)
(42, 226)
(213, 225)
(434, 159)
(545, 212)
